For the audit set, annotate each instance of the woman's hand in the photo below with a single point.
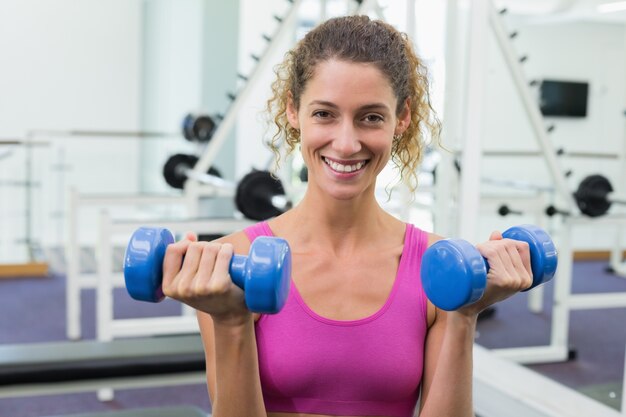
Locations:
(203, 281)
(509, 271)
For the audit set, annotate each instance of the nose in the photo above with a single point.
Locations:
(346, 141)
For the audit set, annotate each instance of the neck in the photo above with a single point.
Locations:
(338, 225)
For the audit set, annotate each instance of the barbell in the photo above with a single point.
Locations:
(258, 195)
(594, 197)
(179, 167)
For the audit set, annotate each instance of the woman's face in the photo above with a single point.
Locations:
(347, 119)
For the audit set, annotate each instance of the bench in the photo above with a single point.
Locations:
(61, 367)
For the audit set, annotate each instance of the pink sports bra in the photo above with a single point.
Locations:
(370, 366)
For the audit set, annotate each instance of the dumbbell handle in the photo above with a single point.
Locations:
(237, 270)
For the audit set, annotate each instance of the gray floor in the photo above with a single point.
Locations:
(598, 337)
(33, 310)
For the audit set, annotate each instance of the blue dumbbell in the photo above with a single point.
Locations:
(454, 273)
(264, 275)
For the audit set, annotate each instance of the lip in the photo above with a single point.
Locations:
(344, 161)
(344, 175)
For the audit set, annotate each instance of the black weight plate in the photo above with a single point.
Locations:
(592, 195)
(203, 128)
(253, 197)
(171, 172)
(198, 128)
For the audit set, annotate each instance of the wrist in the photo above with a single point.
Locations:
(232, 322)
(461, 318)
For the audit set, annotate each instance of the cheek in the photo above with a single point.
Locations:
(382, 146)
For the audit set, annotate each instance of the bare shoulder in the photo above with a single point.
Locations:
(239, 240)
(432, 238)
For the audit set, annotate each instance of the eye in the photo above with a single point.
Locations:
(321, 114)
(374, 118)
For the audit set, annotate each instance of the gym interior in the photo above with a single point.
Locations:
(121, 114)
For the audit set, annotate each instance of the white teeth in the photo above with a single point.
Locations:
(344, 168)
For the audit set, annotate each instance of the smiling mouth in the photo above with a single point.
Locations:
(336, 166)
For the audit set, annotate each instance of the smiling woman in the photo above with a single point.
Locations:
(390, 53)
(346, 119)
(357, 335)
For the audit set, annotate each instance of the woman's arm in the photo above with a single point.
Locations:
(448, 356)
(448, 361)
(226, 326)
(232, 368)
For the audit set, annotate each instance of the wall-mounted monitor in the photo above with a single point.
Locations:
(563, 98)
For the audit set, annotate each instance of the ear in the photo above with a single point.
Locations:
(292, 112)
(404, 118)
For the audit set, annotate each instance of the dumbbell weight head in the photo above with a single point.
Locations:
(543, 254)
(143, 263)
(454, 273)
(264, 275)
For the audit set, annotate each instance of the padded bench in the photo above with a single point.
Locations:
(185, 411)
(58, 367)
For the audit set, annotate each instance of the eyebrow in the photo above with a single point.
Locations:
(372, 106)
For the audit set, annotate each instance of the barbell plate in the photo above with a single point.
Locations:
(253, 197)
(592, 195)
(198, 128)
(174, 177)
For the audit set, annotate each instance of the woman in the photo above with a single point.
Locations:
(357, 336)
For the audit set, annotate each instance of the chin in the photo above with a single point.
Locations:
(346, 195)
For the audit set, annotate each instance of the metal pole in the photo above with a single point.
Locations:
(410, 18)
(451, 126)
(72, 274)
(469, 201)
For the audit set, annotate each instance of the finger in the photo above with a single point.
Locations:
(524, 265)
(495, 235)
(494, 260)
(516, 276)
(173, 261)
(221, 280)
(192, 259)
(191, 236)
(205, 268)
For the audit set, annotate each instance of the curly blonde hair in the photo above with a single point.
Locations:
(359, 39)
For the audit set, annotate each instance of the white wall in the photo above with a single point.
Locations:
(574, 51)
(256, 18)
(82, 65)
(66, 64)
(172, 51)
